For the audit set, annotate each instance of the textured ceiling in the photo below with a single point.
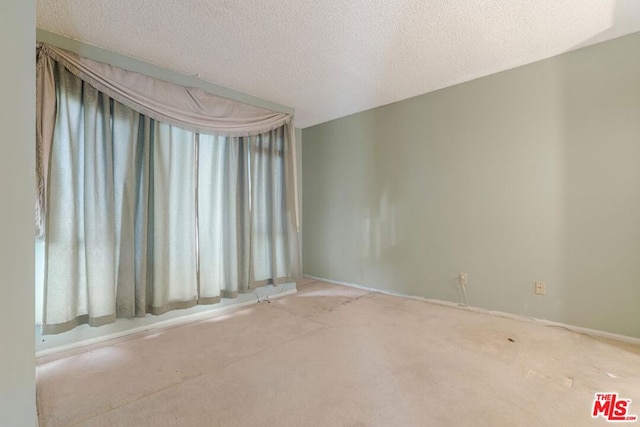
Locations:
(331, 58)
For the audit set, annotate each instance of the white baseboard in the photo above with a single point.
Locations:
(544, 322)
(176, 321)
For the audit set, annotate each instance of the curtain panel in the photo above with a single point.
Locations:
(143, 216)
(184, 107)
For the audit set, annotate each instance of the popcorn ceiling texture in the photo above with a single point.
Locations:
(331, 58)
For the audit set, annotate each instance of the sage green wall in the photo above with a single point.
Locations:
(529, 174)
(17, 184)
(299, 183)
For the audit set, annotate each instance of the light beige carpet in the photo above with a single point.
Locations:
(336, 356)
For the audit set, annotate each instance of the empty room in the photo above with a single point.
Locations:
(367, 213)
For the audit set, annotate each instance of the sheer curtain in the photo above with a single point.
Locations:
(223, 213)
(89, 231)
(172, 220)
(142, 216)
(274, 247)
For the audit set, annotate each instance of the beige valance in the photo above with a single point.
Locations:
(186, 107)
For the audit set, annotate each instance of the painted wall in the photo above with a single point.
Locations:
(17, 181)
(529, 174)
(299, 183)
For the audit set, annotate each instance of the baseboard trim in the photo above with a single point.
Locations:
(543, 322)
(177, 321)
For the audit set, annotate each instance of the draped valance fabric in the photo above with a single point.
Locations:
(185, 107)
(188, 108)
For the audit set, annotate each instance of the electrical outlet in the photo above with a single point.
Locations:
(462, 278)
(539, 288)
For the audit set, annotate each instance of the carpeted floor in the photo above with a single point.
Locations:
(336, 356)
